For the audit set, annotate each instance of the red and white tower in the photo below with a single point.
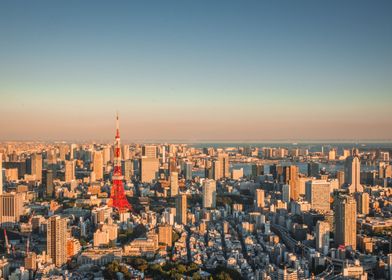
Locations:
(118, 200)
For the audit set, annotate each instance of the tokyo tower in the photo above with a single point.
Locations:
(118, 200)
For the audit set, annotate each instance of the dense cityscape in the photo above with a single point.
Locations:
(195, 140)
(205, 211)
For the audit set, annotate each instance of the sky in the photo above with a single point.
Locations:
(196, 70)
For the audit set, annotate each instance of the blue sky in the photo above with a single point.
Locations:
(196, 70)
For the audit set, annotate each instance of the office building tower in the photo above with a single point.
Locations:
(11, 208)
(340, 177)
(69, 173)
(181, 205)
(224, 165)
(260, 198)
(107, 154)
(165, 235)
(352, 174)
(149, 151)
(322, 236)
(47, 182)
(363, 200)
(313, 169)
(163, 154)
(72, 151)
(332, 154)
(149, 168)
(36, 166)
(317, 193)
(286, 193)
(209, 193)
(345, 221)
(290, 176)
(173, 184)
(188, 170)
(56, 240)
(1, 173)
(125, 152)
(127, 169)
(216, 170)
(63, 152)
(98, 165)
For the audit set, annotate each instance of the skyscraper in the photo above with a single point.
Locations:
(313, 169)
(127, 169)
(224, 165)
(1, 173)
(98, 165)
(36, 166)
(209, 193)
(56, 241)
(165, 233)
(363, 201)
(149, 168)
(125, 152)
(173, 184)
(322, 236)
(69, 171)
(181, 206)
(11, 208)
(259, 198)
(345, 221)
(149, 151)
(188, 170)
(352, 174)
(340, 177)
(290, 176)
(317, 194)
(47, 182)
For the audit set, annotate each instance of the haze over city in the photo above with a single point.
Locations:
(196, 70)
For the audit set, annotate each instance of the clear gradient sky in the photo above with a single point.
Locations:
(196, 70)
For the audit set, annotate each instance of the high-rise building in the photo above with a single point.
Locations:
(36, 166)
(181, 205)
(322, 236)
(290, 176)
(173, 184)
(209, 193)
(260, 198)
(317, 193)
(127, 169)
(72, 151)
(224, 165)
(216, 170)
(149, 168)
(165, 233)
(286, 190)
(1, 173)
(188, 170)
(57, 240)
(352, 174)
(47, 182)
(149, 151)
(340, 177)
(69, 171)
(11, 208)
(98, 165)
(345, 221)
(313, 169)
(125, 152)
(363, 201)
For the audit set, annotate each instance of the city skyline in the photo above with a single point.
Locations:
(196, 71)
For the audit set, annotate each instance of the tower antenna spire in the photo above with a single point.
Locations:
(118, 200)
